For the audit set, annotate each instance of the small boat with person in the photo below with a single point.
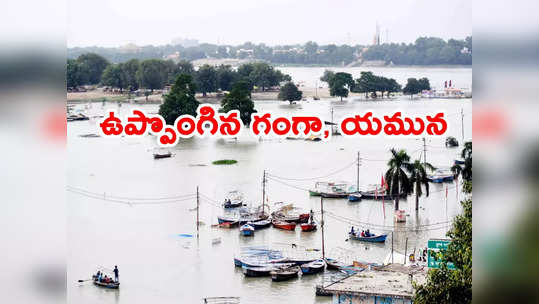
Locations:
(367, 236)
(313, 267)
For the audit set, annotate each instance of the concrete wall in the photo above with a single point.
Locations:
(348, 299)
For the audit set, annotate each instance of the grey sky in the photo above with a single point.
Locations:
(117, 22)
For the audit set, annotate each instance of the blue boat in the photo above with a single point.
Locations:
(313, 267)
(441, 176)
(354, 197)
(372, 238)
(247, 230)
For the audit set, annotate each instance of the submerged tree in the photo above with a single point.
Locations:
(180, 100)
(340, 84)
(290, 92)
(238, 99)
(396, 179)
(418, 177)
(466, 169)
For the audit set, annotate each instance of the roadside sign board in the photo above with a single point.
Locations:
(434, 254)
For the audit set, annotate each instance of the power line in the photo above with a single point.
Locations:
(79, 190)
(312, 178)
(130, 202)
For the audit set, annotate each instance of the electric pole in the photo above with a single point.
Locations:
(322, 225)
(358, 164)
(424, 152)
(462, 123)
(263, 192)
(198, 221)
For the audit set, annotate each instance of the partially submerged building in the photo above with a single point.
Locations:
(387, 284)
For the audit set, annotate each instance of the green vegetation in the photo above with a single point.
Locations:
(339, 83)
(418, 177)
(466, 169)
(396, 179)
(414, 86)
(370, 83)
(239, 99)
(425, 51)
(181, 100)
(86, 69)
(225, 162)
(289, 91)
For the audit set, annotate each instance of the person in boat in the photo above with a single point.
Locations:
(116, 273)
(352, 231)
(368, 233)
(311, 216)
(362, 233)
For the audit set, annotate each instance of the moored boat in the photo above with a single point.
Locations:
(371, 238)
(300, 261)
(440, 176)
(158, 155)
(283, 225)
(333, 264)
(261, 224)
(337, 190)
(257, 271)
(234, 199)
(285, 274)
(306, 227)
(354, 197)
(247, 230)
(313, 267)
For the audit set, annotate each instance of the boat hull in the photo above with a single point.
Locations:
(313, 267)
(308, 227)
(373, 239)
(113, 285)
(354, 197)
(334, 195)
(285, 274)
(284, 225)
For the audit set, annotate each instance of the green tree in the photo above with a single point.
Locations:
(418, 178)
(238, 99)
(466, 169)
(424, 83)
(206, 79)
(130, 69)
(447, 286)
(328, 76)
(226, 77)
(152, 74)
(114, 76)
(340, 84)
(92, 67)
(396, 179)
(289, 91)
(73, 74)
(412, 87)
(180, 100)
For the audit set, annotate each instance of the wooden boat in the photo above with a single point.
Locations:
(300, 261)
(336, 190)
(440, 176)
(333, 264)
(354, 197)
(75, 117)
(381, 194)
(306, 227)
(318, 188)
(285, 274)
(256, 271)
(229, 224)
(283, 225)
(111, 285)
(291, 214)
(459, 162)
(224, 219)
(372, 238)
(247, 230)
(222, 300)
(158, 155)
(234, 199)
(261, 224)
(313, 267)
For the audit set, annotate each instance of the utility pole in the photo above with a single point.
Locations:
(424, 151)
(322, 225)
(198, 221)
(391, 247)
(358, 164)
(263, 192)
(332, 129)
(462, 123)
(405, 250)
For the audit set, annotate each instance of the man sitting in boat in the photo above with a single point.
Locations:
(367, 233)
(352, 231)
(362, 233)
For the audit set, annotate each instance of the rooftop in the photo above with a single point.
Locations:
(393, 280)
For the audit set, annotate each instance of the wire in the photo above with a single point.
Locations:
(312, 178)
(128, 202)
(286, 184)
(72, 189)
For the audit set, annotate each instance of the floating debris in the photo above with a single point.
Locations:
(90, 135)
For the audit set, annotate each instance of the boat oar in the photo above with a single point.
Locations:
(81, 281)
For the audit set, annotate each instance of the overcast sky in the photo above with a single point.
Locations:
(117, 22)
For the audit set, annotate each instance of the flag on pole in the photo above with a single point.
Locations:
(383, 189)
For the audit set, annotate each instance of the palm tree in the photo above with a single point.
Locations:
(396, 179)
(418, 176)
(465, 171)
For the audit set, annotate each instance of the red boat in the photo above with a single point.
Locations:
(308, 226)
(284, 225)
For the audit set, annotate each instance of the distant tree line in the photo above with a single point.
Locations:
(425, 51)
(340, 84)
(152, 74)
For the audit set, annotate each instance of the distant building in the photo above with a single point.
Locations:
(376, 39)
(185, 42)
(129, 48)
(174, 57)
(465, 50)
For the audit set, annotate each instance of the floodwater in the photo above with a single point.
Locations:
(157, 265)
